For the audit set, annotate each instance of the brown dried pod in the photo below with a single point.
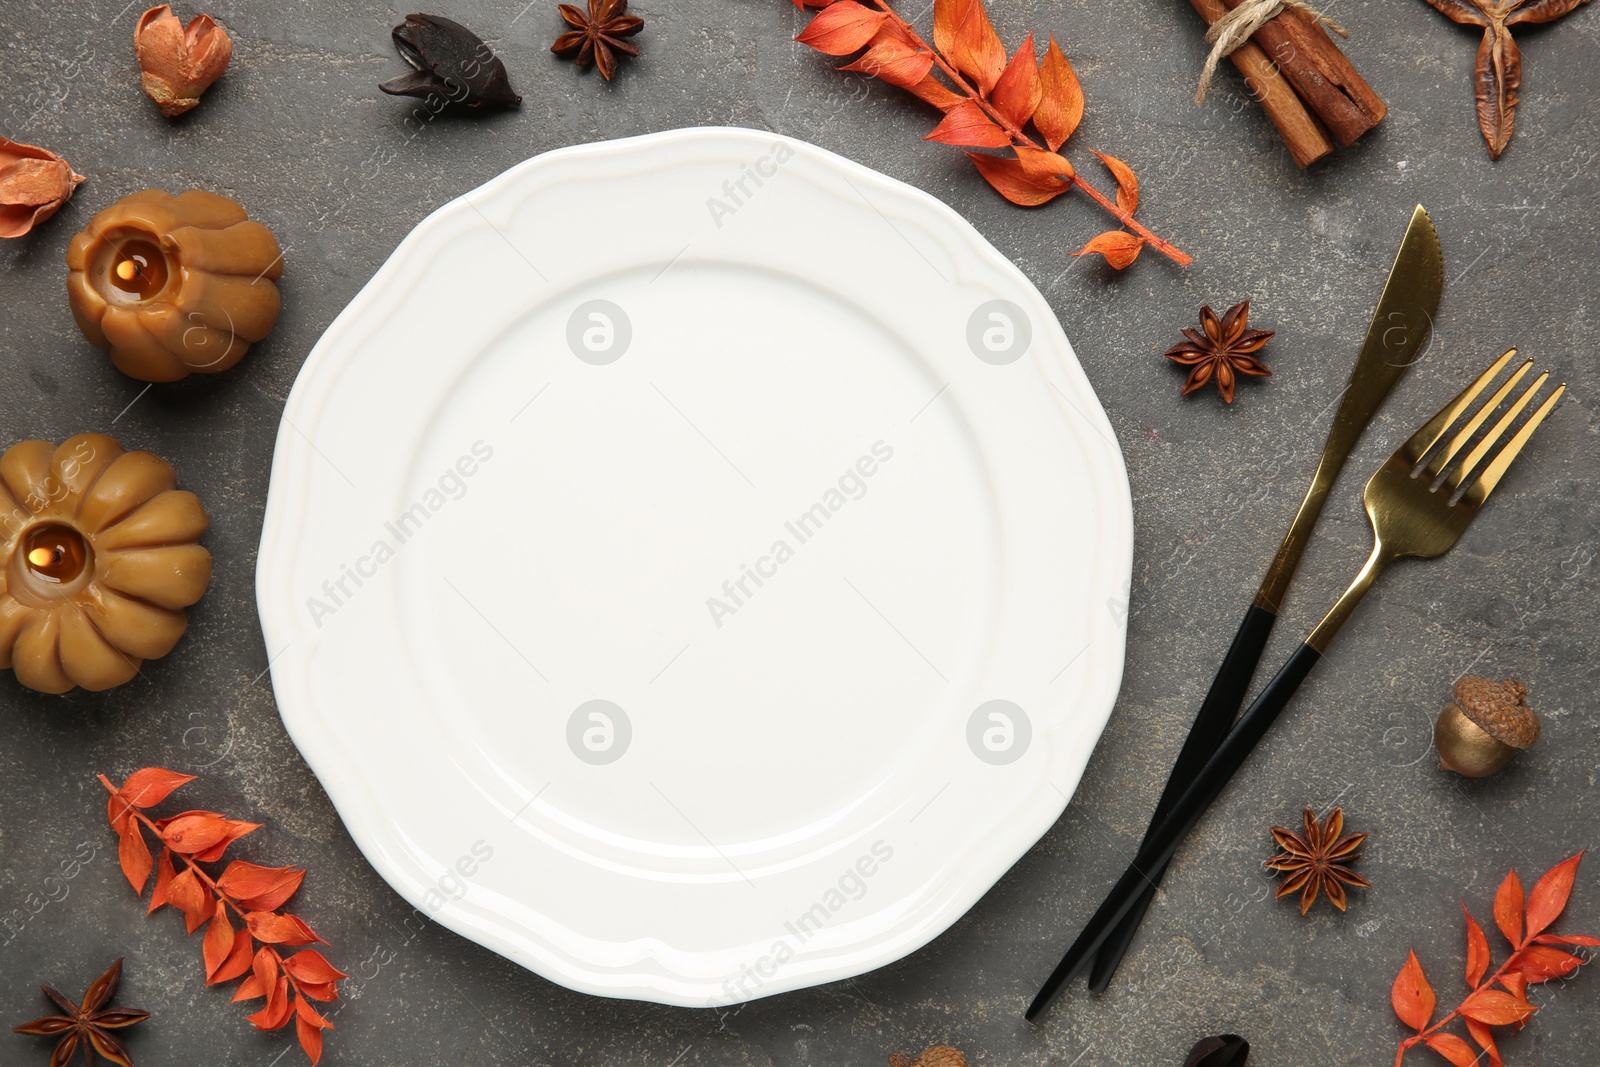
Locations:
(34, 183)
(450, 63)
(99, 555)
(1484, 726)
(174, 285)
(179, 64)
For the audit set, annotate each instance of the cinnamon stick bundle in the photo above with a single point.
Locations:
(1302, 134)
(1320, 73)
(1292, 51)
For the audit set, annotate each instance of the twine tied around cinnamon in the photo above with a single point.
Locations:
(1232, 30)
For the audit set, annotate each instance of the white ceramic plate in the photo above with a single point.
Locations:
(694, 566)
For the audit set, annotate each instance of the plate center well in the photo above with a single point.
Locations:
(717, 572)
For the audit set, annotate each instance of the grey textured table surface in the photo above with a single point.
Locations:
(298, 133)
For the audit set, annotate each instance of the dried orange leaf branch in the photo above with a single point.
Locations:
(1534, 958)
(289, 982)
(990, 101)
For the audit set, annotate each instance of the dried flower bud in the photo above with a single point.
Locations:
(179, 64)
(34, 183)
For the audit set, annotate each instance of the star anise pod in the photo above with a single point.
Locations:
(598, 36)
(87, 1026)
(1316, 861)
(1499, 73)
(1222, 352)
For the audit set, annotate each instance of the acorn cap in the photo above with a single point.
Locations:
(1500, 708)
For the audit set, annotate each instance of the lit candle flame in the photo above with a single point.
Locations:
(127, 269)
(44, 557)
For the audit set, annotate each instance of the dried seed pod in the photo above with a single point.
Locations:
(179, 64)
(34, 183)
(1484, 726)
(451, 63)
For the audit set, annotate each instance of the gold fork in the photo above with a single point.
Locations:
(1420, 501)
(1416, 505)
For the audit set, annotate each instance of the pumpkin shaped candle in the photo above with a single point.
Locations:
(98, 559)
(174, 285)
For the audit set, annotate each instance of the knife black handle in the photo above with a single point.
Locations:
(1165, 837)
(1211, 725)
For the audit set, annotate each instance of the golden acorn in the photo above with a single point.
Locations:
(1484, 726)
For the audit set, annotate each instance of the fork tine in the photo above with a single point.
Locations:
(1481, 449)
(1470, 427)
(1481, 487)
(1419, 443)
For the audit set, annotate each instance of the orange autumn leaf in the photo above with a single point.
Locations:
(1508, 908)
(1540, 963)
(308, 1026)
(144, 789)
(1127, 183)
(894, 61)
(1060, 106)
(278, 1010)
(1496, 1008)
(134, 856)
(164, 873)
(233, 830)
(1411, 995)
(841, 28)
(966, 124)
(193, 831)
(1119, 247)
(311, 966)
(1549, 894)
(260, 888)
(249, 989)
(189, 896)
(1568, 939)
(1039, 164)
(149, 786)
(1011, 181)
(1477, 950)
(963, 32)
(319, 990)
(934, 91)
(1483, 1034)
(240, 957)
(1017, 92)
(218, 943)
(275, 929)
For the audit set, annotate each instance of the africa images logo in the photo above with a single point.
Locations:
(849, 887)
(851, 485)
(450, 485)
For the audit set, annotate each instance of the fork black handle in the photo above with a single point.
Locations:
(1211, 725)
(1165, 837)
